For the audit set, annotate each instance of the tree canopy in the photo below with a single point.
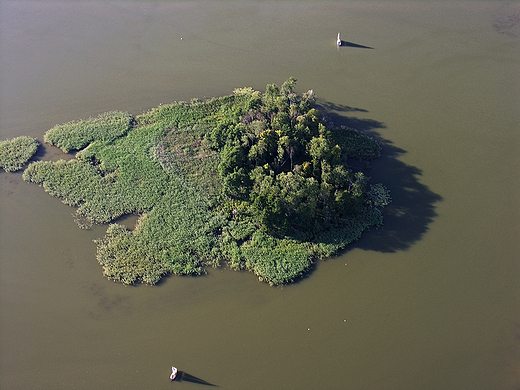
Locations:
(280, 160)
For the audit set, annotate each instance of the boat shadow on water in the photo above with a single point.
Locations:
(355, 45)
(185, 377)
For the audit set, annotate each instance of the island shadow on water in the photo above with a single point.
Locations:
(407, 217)
(184, 376)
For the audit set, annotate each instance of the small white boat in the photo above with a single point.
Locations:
(174, 373)
(338, 41)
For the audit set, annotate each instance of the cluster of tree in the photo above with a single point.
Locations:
(280, 161)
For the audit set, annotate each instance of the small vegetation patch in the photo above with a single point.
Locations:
(16, 152)
(254, 180)
(76, 135)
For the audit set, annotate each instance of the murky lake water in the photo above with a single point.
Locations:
(429, 302)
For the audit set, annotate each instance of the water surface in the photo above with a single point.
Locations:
(429, 302)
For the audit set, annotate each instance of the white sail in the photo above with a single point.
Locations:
(174, 373)
(338, 41)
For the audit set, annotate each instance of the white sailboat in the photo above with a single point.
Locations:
(174, 373)
(338, 41)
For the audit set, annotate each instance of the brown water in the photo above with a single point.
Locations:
(429, 302)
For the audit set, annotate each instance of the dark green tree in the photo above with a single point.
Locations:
(278, 155)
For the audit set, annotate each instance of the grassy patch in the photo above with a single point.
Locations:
(16, 152)
(76, 135)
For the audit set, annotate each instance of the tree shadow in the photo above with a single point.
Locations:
(412, 209)
(327, 107)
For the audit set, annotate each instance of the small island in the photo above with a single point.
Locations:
(256, 181)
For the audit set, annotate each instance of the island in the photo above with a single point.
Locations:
(256, 181)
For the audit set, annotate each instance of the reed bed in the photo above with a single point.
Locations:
(16, 152)
(177, 236)
(356, 145)
(329, 242)
(75, 135)
(277, 261)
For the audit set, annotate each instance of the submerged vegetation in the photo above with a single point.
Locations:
(16, 152)
(254, 180)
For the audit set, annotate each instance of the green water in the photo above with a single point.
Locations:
(429, 302)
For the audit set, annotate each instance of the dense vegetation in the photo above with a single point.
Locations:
(256, 180)
(76, 135)
(16, 152)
